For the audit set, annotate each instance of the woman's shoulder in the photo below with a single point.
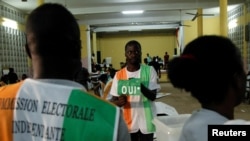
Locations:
(238, 121)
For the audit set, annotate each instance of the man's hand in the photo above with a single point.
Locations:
(120, 101)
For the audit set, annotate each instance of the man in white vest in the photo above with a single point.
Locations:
(134, 89)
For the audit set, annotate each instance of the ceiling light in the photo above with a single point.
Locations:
(133, 12)
(232, 24)
(134, 28)
(9, 23)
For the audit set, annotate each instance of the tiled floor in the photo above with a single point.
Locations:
(183, 102)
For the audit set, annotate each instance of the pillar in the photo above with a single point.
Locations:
(88, 48)
(223, 18)
(40, 2)
(94, 49)
(200, 22)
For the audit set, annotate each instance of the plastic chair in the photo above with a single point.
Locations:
(168, 128)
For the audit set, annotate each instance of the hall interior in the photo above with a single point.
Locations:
(165, 25)
(184, 103)
(155, 41)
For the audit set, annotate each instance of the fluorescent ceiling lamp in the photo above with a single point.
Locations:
(133, 12)
(9, 23)
(134, 28)
(232, 24)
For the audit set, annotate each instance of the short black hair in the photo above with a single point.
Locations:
(55, 31)
(206, 67)
(11, 69)
(133, 43)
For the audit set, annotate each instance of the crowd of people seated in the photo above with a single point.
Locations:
(11, 77)
(102, 81)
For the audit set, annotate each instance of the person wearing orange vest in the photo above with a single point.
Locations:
(50, 106)
(134, 89)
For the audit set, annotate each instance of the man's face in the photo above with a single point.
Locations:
(133, 55)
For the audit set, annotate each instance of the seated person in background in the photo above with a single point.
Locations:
(24, 76)
(51, 105)
(12, 76)
(106, 95)
(156, 66)
(217, 82)
(2, 83)
(99, 85)
(122, 64)
(82, 77)
(160, 61)
(4, 79)
(98, 68)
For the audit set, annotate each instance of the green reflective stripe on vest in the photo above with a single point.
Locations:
(94, 120)
(145, 77)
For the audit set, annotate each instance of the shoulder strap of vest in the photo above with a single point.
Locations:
(8, 92)
(145, 75)
(145, 79)
(122, 74)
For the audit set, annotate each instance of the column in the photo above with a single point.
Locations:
(40, 2)
(94, 45)
(223, 18)
(88, 48)
(200, 22)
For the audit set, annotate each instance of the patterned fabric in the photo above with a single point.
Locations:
(34, 110)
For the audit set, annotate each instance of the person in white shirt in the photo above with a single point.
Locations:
(134, 89)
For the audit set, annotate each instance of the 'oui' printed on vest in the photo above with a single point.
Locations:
(129, 87)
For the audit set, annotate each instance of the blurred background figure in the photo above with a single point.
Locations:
(24, 76)
(82, 77)
(166, 59)
(12, 76)
(106, 90)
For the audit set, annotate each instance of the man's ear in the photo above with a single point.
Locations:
(27, 50)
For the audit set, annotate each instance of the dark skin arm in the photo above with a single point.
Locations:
(150, 94)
